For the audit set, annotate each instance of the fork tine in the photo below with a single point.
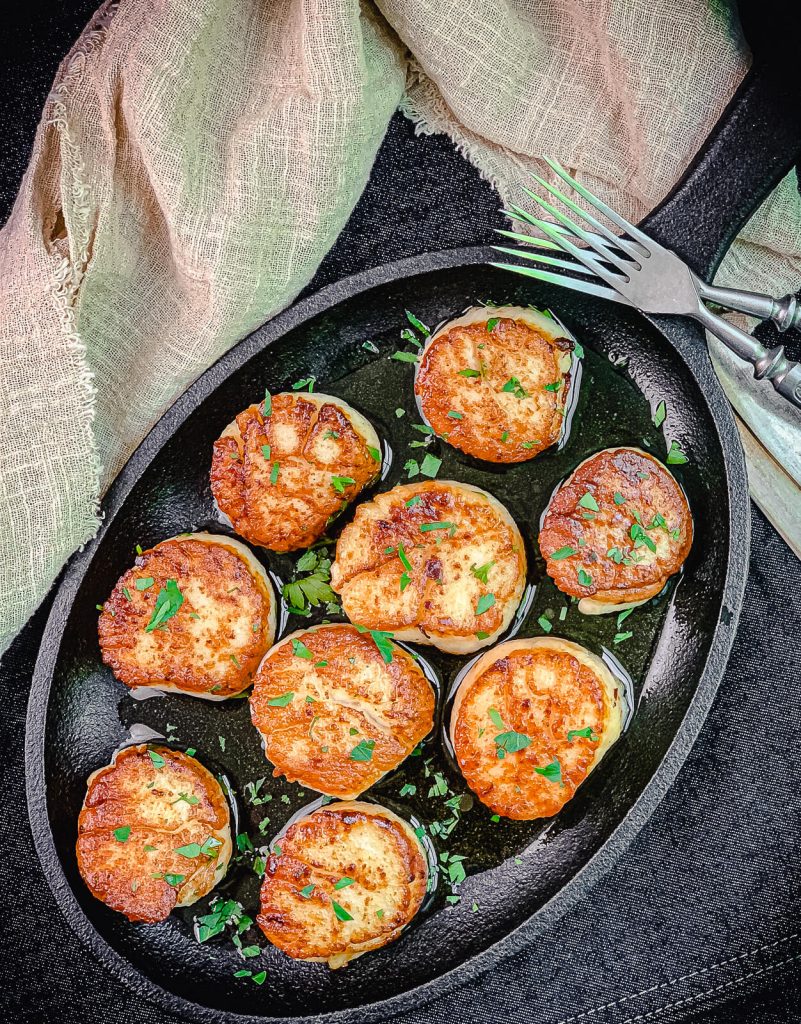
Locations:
(631, 249)
(544, 243)
(610, 214)
(540, 257)
(566, 282)
(598, 247)
(589, 260)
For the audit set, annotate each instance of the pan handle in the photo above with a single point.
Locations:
(753, 146)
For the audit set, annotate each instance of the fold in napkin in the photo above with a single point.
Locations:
(195, 162)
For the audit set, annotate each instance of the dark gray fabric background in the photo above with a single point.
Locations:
(698, 920)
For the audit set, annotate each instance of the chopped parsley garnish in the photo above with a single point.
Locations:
(510, 742)
(584, 578)
(381, 639)
(492, 323)
(676, 457)
(408, 789)
(564, 552)
(339, 483)
(187, 798)
(276, 469)
(404, 357)
(412, 467)
(553, 386)
(641, 538)
(265, 450)
(374, 453)
(545, 624)
(344, 882)
(455, 415)
(481, 572)
(243, 843)
(157, 759)
(300, 650)
(399, 413)
(623, 616)
(485, 602)
(413, 501)
(405, 580)
(619, 499)
(659, 415)
(418, 324)
(222, 913)
(578, 350)
(306, 382)
(428, 527)
(122, 833)
(587, 501)
(368, 346)
(144, 583)
(340, 912)
(516, 388)
(190, 850)
(481, 635)
(430, 466)
(469, 373)
(268, 403)
(407, 565)
(283, 700)
(167, 604)
(329, 435)
(307, 890)
(363, 751)
(552, 772)
(620, 637)
(127, 593)
(585, 733)
(563, 613)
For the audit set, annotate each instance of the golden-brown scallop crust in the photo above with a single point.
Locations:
(271, 476)
(213, 645)
(602, 554)
(345, 699)
(158, 801)
(461, 576)
(542, 689)
(358, 841)
(465, 368)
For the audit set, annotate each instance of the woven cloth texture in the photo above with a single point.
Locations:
(699, 918)
(195, 162)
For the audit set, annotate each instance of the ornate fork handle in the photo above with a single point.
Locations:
(783, 373)
(784, 312)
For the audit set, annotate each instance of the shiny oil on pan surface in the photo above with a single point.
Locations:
(520, 876)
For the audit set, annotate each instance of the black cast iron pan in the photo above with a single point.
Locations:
(520, 877)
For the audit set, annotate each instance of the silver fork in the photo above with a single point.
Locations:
(639, 272)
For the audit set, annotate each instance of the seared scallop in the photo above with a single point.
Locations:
(439, 563)
(194, 615)
(616, 530)
(348, 878)
(335, 712)
(530, 721)
(494, 382)
(154, 832)
(286, 467)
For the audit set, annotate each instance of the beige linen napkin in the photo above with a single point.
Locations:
(195, 162)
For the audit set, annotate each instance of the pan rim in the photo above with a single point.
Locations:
(695, 358)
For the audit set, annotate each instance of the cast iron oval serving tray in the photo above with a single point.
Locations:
(519, 875)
